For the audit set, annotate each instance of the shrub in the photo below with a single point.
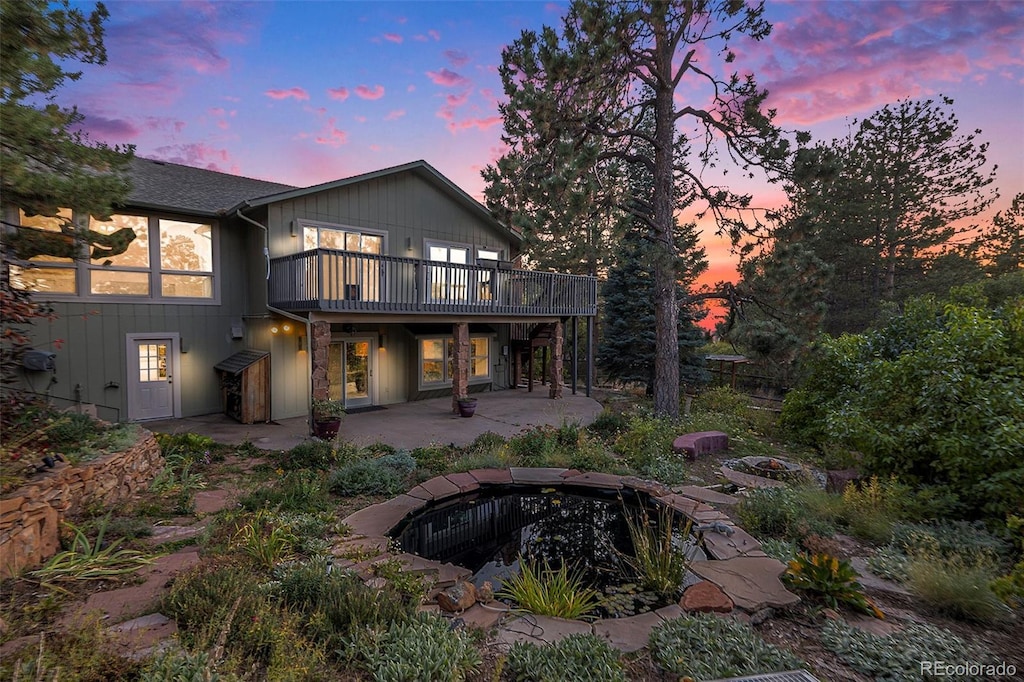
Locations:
(898, 656)
(788, 513)
(422, 649)
(645, 440)
(547, 592)
(84, 653)
(368, 477)
(831, 578)
(176, 665)
(608, 425)
(203, 595)
(536, 447)
(872, 507)
(922, 395)
(434, 458)
(310, 454)
(266, 540)
(579, 657)
(707, 647)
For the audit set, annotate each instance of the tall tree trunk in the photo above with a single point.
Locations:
(666, 312)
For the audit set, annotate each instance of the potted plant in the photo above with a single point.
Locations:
(327, 416)
(467, 406)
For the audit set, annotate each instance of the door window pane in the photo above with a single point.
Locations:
(357, 356)
(152, 362)
(334, 367)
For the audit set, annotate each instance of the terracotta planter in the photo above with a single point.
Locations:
(467, 407)
(327, 429)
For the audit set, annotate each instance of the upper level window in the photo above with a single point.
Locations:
(167, 259)
(338, 238)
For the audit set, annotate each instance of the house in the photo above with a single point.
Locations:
(381, 288)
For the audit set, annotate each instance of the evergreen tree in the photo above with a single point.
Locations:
(46, 164)
(1002, 244)
(576, 111)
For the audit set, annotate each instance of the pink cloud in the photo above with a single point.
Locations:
(393, 38)
(366, 92)
(478, 123)
(448, 79)
(457, 58)
(395, 115)
(111, 130)
(197, 155)
(332, 136)
(296, 93)
(436, 35)
(339, 93)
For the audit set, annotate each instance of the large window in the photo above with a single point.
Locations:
(437, 365)
(350, 275)
(167, 259)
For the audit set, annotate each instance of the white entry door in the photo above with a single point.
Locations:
(152, 365)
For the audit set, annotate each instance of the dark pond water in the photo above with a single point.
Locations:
(489, 532)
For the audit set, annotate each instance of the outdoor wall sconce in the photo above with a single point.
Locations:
(381, 341)
(302, 342)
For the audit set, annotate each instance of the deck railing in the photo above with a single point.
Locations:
(346, 281)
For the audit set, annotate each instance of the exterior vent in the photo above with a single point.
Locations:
(790, 676)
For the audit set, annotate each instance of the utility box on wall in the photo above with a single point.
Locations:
(245, 386)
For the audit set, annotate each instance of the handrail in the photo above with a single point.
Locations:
(347, 281)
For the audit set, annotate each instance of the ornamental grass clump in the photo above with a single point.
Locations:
(547, 592)
(90, 560)
(659, 564)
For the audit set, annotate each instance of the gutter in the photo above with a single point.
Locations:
(284, 313)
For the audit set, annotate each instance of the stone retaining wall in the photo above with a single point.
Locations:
(30, 516)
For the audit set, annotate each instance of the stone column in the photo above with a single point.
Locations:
(460, 360)
(318, 346)
(555, 369)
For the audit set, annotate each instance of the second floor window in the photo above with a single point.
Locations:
(167, 259)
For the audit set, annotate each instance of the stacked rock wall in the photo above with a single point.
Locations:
(30, 516)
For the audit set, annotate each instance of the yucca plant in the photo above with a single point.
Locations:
(832, 578)
(547, 592)
(659, 565)
(90, 560)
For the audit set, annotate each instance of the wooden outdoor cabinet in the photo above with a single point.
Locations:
(245, 386)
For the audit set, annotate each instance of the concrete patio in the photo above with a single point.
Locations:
(405, 425)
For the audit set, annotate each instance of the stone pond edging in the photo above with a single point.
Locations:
(30, 517)
(738, 565)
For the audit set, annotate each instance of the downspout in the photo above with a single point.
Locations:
(284, 313)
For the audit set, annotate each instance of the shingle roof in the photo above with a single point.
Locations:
(172, 187)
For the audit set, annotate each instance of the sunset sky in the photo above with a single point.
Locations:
(308, 92)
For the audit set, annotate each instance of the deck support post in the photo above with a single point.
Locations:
(555, 375)
(460, 359)
(319, 346)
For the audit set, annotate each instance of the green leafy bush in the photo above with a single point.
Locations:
(789, 513)
(310, 454)
(832, 578)
(707, 647)
(609, 425)
(577, 658)
(922, 396)
(434, 458)
(548, 592)
(646, 440)
(379, 476)
(422, 649)
(897, 657)
(176, 665)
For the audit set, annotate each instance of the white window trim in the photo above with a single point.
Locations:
(447, 382)
(84, 265)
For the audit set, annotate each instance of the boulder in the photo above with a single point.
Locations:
(705, 597)
(458, 597)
